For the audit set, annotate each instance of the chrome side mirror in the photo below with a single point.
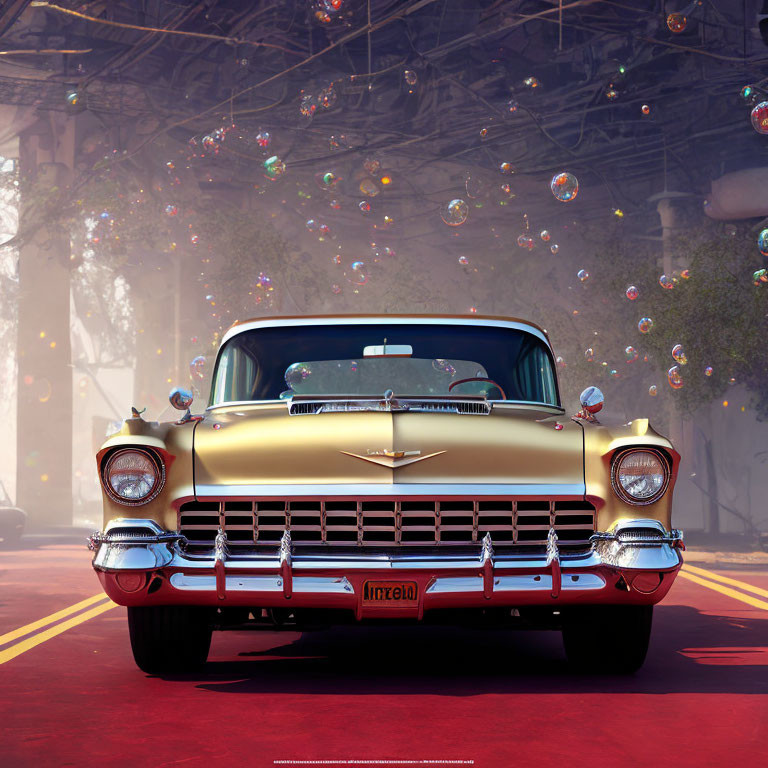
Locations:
(591, 400)
(181, 399)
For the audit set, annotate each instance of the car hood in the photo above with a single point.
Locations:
(262, 449)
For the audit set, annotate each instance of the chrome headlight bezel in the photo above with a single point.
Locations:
(618, 488)
(157, 486)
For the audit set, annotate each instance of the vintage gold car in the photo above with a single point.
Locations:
(355, 468)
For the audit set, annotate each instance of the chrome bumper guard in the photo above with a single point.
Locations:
(633, 547)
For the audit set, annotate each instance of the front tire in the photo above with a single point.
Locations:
(169, 639)
(610, 639)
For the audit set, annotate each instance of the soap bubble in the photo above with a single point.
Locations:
(653, 390)
(762, 242)
(463, 260)
(512, 106)
(104, 215)
(364, 206)
(263, 139)
(554, 248)
(372, 165)
(327, 179)
(506, 167)
(545, 236)
(264, 282)
(444, 367)
(336, 258)
(194, 239)
(611, 93)
(759, 117)
(311, 225)
(678, 354)
(475, 186)
(583, 275)
(336, 288)
(368, 188)
(685, 274)
(564, 186)
(296, 373)
(172, 210)
(410, 77)
(760, 276)
(645, 109)
(455, 213)
(708, 371)
(525, 241)
(676, 22)
(747, 92)
(210, 297)
(307, 106)
(665, 281)
(335, 204)
(589, 354)
(274, 167)
(632, 293)
(197, 367)
(531, 82)
(645, 324)
(327, 97)
(356, 276)
(630, 354)
(675, 377)
(483, 133)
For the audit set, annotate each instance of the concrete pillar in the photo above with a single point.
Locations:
(44, 410)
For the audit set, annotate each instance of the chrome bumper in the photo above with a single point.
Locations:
(140, 564)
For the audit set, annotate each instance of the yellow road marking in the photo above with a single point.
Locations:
(41, 637)
(753, 601)
(25, 630)
(747, 587)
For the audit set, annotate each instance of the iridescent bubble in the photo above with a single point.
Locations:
(732, 380)
(263, 139)
(554, 248)
(364, 206)
(759, 117)
(760, 276)
(410, 77)
(589, 354)
(685, 274)
(531, 82)
(676, 22)
(264, 282)
(665, 281)
(463, 260)
(483, 133)
(274, 167)
(73, 98)
(296, 373)
(632, 293)
(104, 215)
(653, 390)
(560, 362)
(675, 377)
(327, 97)
(336, 258)
(171, 210)
(615, 374)
(197, 367)
(747, 92)
(645, 324)
(170, 165)
(709, 370)
(455, 213)
(324, 230)
(564, 186)
(762, 242)
(525, 241)
(372, 165)
(444, 367)
(326, 179)
(678, 354)
(645, 109)
(311, 225)
(630, 354)
(611, 93)
(210, 297)
(356, 275)
(506, 167)
(618, 213)
(506, 190)
(475, 186)
(335, 204)
(545, 236)
(194, 239)
(307, 106)
(368, 188)
(336, 288)
(583, 275)
(512, 106)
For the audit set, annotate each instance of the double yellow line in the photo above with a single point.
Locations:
(76, 613)
(725, 584)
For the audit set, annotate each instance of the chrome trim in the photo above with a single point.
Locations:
(533, 404)
(286, 570)
(553, 561)
(619, 490)
(410, 403)
(447, 491)
(156, 459)
(220, 555)
(319, 585)
(267, 322)
(486, 560)
(516, 583)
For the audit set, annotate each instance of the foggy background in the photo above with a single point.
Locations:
(301, 159)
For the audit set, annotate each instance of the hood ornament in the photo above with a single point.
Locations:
(388, 457)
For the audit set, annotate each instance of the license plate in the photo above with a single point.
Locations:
(390, 593)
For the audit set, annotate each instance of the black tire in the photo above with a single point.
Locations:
(170, 639)
(610, 639)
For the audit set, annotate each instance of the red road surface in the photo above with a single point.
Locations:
(498, 698)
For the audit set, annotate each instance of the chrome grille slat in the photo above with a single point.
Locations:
(386, 522)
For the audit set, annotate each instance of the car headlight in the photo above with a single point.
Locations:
(640, 475)
(133, 476)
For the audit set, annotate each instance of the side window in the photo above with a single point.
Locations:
(534, 376)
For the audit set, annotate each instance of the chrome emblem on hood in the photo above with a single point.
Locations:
(388, 457)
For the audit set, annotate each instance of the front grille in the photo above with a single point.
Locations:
(386, 522)
(471, 407)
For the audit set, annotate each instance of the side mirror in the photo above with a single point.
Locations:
(181, 399)
(591, 400)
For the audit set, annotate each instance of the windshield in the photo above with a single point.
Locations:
(369, 359)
